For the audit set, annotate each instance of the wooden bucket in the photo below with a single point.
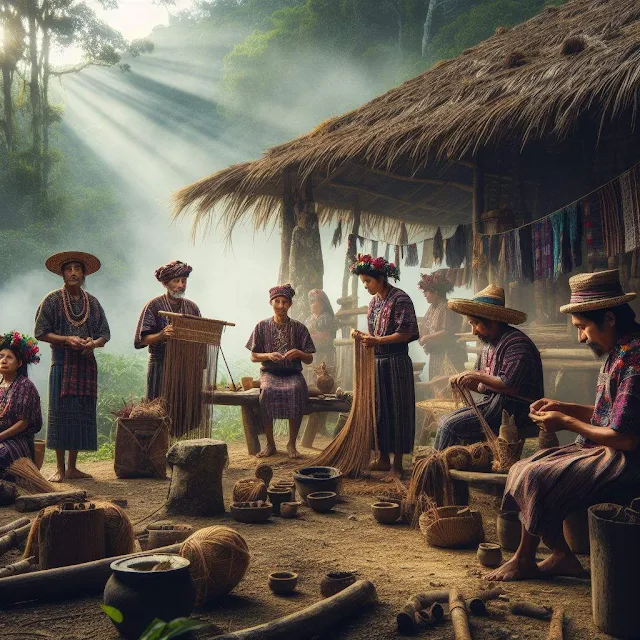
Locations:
(141, 447)
(39, 447)
(615, 571)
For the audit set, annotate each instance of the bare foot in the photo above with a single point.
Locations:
(292, 451)
(379, 465)
(561, 565)
(514, 569)
(76, 474)
(395, 474)
(267, 452)
(58, 476)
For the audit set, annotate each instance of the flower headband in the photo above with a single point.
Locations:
(26, 346)
(370, 266)
(436, 281)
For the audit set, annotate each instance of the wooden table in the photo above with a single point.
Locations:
(248, 401)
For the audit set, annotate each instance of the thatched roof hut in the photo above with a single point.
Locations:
(529, 119)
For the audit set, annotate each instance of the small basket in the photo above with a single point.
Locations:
(480, 456)
(454, 527)
(457, 457)
(508, 454)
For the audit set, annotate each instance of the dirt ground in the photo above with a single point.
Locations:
(395, 558)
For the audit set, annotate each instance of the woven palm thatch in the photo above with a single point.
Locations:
(570, 66)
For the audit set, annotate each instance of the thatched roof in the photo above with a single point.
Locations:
(568, 68)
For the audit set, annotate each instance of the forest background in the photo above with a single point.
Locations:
(97, 131)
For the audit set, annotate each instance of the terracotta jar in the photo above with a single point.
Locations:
(335, 582)
(489, 554)
(509, 529)
(146, 587)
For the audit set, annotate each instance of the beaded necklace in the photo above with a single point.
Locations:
(75, 320)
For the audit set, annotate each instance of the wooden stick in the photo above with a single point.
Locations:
(65, 582)
(459, 616)
(23, 566)
(14, 538)
(530, 610)
(39, 501)
(16, 524)
(312, 621)
(556, 628)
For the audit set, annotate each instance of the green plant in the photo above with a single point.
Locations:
(158, 629)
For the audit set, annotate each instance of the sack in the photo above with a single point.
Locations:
(141, 447)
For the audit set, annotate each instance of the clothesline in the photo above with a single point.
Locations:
(566, 206)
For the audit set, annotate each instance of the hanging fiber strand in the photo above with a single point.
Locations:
(337, 235)
(412, 256)
(438, 248)
(350, 450)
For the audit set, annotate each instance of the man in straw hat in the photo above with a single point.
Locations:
(153, 329)
(73, 322)
(604, 462)
(508, 372)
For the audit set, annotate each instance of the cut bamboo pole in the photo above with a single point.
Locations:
(459, 616)
(14, 538)
(39, 501)
(556, 628)
(530, 610)
(17, 568)
(16, 524)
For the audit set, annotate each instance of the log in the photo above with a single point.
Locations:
(556, 628)
(477, 607)
(14, 538)
(16, 524)
(65, 582)
(312, 621)
(39, 501)
(459, 616)
(530, 610)
(8, 493)
(17, 568)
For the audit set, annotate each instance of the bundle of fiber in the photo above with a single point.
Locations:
(29, 478)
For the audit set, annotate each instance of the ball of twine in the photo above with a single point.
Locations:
(457, 457)
(148, 409)
(264, 472)
(480, 456)
(249, 490)
(219, 558)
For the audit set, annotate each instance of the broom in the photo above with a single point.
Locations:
(29, 478)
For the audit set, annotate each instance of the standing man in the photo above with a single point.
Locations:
(153, 329)
(73, 322)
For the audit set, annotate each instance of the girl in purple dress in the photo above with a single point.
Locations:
(20, 414)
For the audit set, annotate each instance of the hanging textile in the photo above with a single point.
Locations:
(510, 256)
(593, 228)
(427, 254)
(557, 227)
(547, 248)
(396, 258)
(610, 214)
(336, 241)
(468, 245)
(352, 248)
(630, 197)
(455, 248)
(494, 255)
(374, 248)
(412, 256)
(574, 222)
(361, 240)
(525, 242)
(438, 248)
(404, 236)
(387, 251)
(501, 265)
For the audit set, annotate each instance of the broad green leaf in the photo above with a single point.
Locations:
(113, 613)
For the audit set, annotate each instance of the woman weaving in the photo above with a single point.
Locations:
(281, 345)
(392, 324)
(20, 414)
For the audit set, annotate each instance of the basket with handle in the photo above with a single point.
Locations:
(452, 527)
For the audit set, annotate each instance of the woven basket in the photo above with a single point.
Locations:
(480, 456)
(509, 453)
(457, 457)
(141, 447)
(451, 530)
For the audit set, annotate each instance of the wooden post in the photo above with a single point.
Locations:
(478, 201)
(288, 225)
(355, 231)
(250, 430)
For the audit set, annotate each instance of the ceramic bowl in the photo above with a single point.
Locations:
(250, 512)
(386, 512)
(283, 581)
(322, 501)
(489, 554)
(307, 482)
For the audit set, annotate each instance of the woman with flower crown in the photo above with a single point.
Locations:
(20, 414)
(392, 325)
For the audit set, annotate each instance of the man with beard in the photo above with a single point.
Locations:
(73, 322)
(153, 329)
(508, 372)
(604, 462)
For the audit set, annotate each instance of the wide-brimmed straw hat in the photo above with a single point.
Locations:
(488, 304)
(58, 260)
(592, 291)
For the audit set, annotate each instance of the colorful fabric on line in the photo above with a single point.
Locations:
(412, 255)
(455, 248)
(575, 222)
(438, 248)
(630, 199)
(593, 230)
(610, 213)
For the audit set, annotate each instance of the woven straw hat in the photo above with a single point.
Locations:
(489, 304)
(600, 290)
(56, 261)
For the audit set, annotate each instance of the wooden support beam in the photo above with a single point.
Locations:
(478, 199)
(288, 225)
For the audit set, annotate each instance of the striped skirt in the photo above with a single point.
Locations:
(12, 449)
(71, 424)
(395, 403)
(154, 377)
(551, 484)
(283, 395)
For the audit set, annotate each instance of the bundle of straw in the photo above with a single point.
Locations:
(29, 478)
(350, 450)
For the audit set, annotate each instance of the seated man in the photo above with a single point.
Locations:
(508, 372)
(605, 458)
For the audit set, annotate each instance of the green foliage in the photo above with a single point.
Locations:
(158, 629)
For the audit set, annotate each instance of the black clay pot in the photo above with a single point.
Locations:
(310, 479)
(141, 592)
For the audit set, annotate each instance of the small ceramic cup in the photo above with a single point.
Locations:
(282, 582)
(289, 509)
(489, 554)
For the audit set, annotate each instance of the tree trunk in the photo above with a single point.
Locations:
(7, 78)
(46, 160)
(426, 29)
(34, 92)
(288, 225)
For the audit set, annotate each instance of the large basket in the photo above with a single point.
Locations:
(450, 530)
(508, 454)
(141, 447)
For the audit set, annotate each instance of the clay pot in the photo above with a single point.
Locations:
(509, 530)
(170, 534)
(306, 481)
(283, 582)
(489, 554)
(285, 485)
(277, 497)
(576, 531)
(143, 592)
(335, 582)
(289, 509)
(39, 447)
(386, 512)
(322, 501)
(250, 512)
(324, 381)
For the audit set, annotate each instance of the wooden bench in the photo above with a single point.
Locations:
(248, 401)
(492, 483)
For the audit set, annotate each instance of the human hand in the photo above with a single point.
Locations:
(293, 354)
(168, 332)
(466, 379)
(369, 340)
(545, 404)
(275, 356)
(74, 342)
(89, 346)
(549, 421)
(423, 340)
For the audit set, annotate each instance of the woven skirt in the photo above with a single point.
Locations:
(395, 403)
(71, 424)
(12, 449)
(155, 369)
(283, 395)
